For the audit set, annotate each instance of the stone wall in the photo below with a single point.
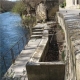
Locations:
(61, 22)
(45, 9)
(46, 71)
(72, 58)
(52, 7)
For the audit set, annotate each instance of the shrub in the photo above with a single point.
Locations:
(29, 20)
(63, 5)
(19, 7)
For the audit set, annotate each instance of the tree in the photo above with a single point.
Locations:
(19, 7)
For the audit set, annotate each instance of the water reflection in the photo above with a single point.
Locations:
(11, 31)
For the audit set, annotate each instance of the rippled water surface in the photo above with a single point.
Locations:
(11, 31)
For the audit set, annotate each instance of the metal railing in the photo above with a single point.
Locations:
(9, 57)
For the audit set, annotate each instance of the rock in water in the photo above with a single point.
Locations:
(41, 13)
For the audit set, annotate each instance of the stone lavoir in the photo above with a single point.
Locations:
(35, 62)
(44, 63)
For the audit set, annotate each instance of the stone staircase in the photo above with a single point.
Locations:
(37, 32)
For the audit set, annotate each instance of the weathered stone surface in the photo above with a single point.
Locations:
(17, 71)
(69, 20)
(41, 12)
(52, 8)
(37, 69)
(46, 71)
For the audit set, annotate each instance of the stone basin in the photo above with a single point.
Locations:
(37, 69)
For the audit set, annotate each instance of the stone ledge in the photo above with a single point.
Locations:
(69, 20)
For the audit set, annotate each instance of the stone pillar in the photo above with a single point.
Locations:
(69, 3)
(75, 2)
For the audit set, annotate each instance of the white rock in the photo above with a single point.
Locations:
(41, 12)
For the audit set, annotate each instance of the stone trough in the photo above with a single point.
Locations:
(37, 69)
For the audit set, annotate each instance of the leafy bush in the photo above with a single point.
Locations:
(29, 20)
(63, 5)
(19, 7)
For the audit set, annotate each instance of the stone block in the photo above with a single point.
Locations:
(37, 72)
(56, 72)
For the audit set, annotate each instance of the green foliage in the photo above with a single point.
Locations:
(29, 20)
(63, 4)
(19, 7)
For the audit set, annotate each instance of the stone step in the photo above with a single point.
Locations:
(36, 33)
(37, 30)
(36, 36)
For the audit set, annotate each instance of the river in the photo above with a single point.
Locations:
(12, 39)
